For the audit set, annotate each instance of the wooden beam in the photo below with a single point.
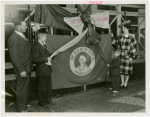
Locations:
(109, 29)
(118, 19)
(135, 25)
(139, 44)
(9, 24)
(84, 87)
(139, 61)
(51, 30)
(94, 7)
(122, 18)
(113, 20)
(37, 26)
(142, 21)
(73, 5)
(10, 66)
(136, 14)
(111, 12)
(126, 5)
(30, 15)
(71, 10)
(140, 53)
(20, 7)
(133, 6)
(94, 27)
(12, 76)
(70, 5)
(74, 10)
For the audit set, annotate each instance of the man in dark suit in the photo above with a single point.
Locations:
(40, 55)
(19, 49)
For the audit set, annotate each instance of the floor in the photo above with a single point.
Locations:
(97, 100)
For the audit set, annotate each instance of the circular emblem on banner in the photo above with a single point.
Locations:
(82, 61)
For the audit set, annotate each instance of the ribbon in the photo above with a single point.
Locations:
(68, 45)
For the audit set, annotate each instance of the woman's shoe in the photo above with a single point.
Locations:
(115, 91)
(125, 88)
(122, 87)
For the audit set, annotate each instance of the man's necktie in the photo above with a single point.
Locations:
(44, 46)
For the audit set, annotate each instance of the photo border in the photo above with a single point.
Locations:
(72, 113)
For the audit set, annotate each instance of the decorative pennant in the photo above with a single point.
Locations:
(75, 23)
(99, 20)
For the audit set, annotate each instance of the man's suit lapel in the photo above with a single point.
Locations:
(42, 48)
(21, 39)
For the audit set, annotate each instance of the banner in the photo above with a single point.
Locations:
(99, 20)
(57, 17)
(52, 15)
(75, 22)
(70, 43)
(79, 65)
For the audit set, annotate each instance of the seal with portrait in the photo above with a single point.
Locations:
(82, 66)
(82, 61)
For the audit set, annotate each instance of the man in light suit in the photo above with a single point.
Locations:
(40, 55)
(19, 50)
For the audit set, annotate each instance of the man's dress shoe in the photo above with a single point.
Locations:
(45, 106)
(51, 103)
(125, 88)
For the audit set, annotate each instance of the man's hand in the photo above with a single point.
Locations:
(112, 34)
(48, 58)
(107, 65)
(23, 74)
(48, 63)
(130, 59)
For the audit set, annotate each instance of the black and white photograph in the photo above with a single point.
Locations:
(74, 57)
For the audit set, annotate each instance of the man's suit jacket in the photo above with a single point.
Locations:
(20, 54)
(40, 55)
(115, 66)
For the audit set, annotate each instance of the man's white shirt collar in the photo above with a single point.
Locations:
(41, 43)
(21, 34)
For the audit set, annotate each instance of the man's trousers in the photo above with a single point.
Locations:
(44, 90)
(115, 82)
(22, 89)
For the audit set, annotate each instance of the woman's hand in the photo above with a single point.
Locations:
(130, 59)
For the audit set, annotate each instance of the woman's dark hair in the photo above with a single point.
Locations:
(128, 26)
(130, 31)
